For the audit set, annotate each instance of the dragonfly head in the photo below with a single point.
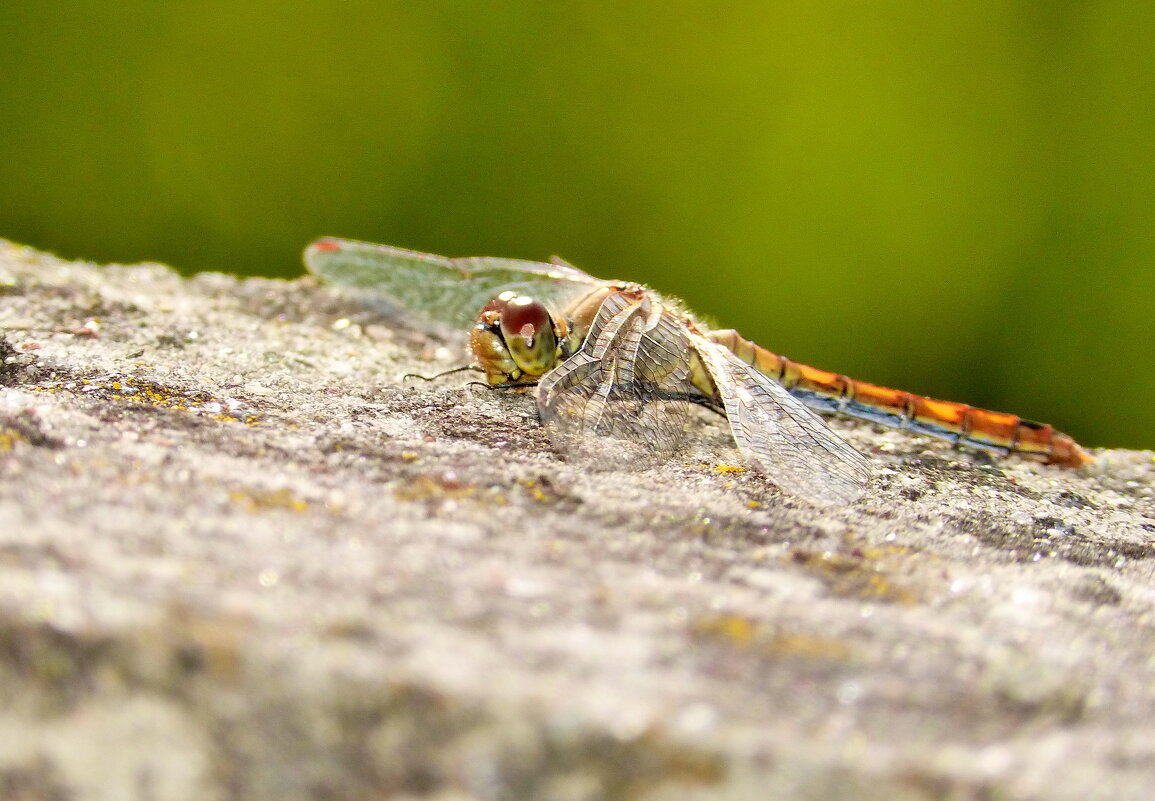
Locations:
(516, 339)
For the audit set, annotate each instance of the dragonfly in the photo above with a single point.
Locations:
(617, 369)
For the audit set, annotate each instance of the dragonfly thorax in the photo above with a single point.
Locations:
(517, 340)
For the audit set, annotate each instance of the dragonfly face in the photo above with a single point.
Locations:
(516, 340)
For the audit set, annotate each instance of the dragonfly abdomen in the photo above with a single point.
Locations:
(958, 423)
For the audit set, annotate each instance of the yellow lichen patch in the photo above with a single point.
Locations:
(426, 487)
(745, 633)
(866, 573)
(808, 646)
(131, 389)
(541, 490)
(249, 419)
(19, 432)
(536, 492)
(260, 500)
(879, 587)
(141, 391)
(732, 628)
(671, 764)
(728, 468)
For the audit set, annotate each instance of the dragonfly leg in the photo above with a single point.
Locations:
(692, 397)
(511, 385)
(442, 374)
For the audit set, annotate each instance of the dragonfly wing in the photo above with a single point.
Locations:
(787, 441)
(621, 399)
(440, 293)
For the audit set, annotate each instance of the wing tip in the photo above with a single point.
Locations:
(325, 244)
(317, 250)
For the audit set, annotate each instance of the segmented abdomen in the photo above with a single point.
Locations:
(963, 425)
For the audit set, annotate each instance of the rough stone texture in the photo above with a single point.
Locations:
(240, 558)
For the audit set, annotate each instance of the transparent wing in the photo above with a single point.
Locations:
(439, 292)
(788, 442)
(622, 399)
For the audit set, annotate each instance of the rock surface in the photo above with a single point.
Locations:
(241, 558)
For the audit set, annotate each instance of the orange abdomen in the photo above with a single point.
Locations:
(958, 423)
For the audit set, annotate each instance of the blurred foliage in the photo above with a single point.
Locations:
(953, 199)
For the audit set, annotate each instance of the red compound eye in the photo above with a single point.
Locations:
(524, 317)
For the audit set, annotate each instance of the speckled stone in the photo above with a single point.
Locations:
(242, 558)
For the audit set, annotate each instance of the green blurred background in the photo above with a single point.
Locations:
(955, 199)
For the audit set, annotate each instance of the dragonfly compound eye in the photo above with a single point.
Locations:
(528, 331)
